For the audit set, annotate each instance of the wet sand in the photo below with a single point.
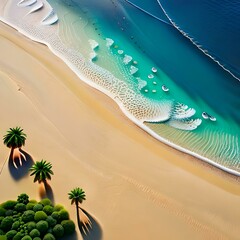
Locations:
(136, 187)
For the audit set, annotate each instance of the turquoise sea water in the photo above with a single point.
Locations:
(193, 79)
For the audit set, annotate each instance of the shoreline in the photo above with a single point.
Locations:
(122, 168)
(128, 115)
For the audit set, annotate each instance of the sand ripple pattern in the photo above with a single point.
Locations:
(176, 209)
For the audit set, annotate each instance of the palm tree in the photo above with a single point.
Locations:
(77, 195)
(15, 139)
(42, 171)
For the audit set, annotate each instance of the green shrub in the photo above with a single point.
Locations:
(42, 226)
(33, 201)
(55, 215)
(15, 218)
(9, 212)
(34, 233)
(23, 198)
(15, 225)
(48, 209)
(9, 204)
(1, 218)
(38, 207)
(6, 223)
(10, 234)
(30, 206)
(58, 231)
(40, 215)
(20, 207)
(37, 238)
(2, 212)
(63, 215)
(31, 226)
(18, 236)
(51, 221)
(46, 201)
(58, 207)
(28, 216)
(27, 237)
(69, 226)
(49, 236)
(2, 232)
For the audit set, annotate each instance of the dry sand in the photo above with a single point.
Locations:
(137, 188)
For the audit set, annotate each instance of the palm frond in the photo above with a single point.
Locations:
(15, 137)
(77, 195)
(41, 171)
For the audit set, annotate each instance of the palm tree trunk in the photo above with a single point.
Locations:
(78, 216)
(44, 183)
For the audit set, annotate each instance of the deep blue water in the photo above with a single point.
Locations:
(214, 24)
(152, 8)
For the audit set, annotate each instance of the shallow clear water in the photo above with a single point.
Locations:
(193, 78)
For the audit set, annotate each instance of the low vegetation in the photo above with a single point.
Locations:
(26, 219)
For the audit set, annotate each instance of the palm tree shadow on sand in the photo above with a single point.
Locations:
(89, 227)
(19, 163)
(45, 191)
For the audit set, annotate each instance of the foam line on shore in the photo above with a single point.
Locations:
(120, 104)
(197, 45)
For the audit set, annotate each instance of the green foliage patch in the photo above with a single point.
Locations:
(9, 204)
(2, 211)
(38, 207)
(23, 198)
(32, 220)
(48, 209)
(28, 216)
(69, 226)
(49, 236)
(40, 215)
(46, 202)
(20, 207)
(10, 234)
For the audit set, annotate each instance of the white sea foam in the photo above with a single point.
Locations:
(154, 70)
(109, 42)
(135, 106)
(36, 7)
(150, 76)
(141, 83)
(185, 124)
(120, 52)
(181, 112)
(164, 88)
(50, 18)
(127, 59)
(133, 69)
(94, 44)
(26, 3)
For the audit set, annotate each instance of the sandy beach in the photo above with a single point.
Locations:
(137, 188)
